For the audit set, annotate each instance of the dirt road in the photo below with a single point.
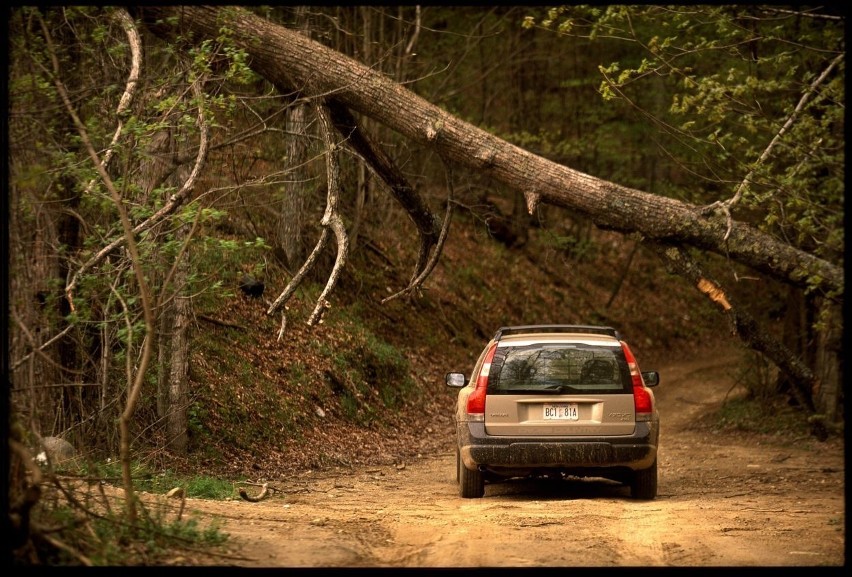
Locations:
(724, 500)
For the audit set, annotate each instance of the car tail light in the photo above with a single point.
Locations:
(643, 397)
(476, 400)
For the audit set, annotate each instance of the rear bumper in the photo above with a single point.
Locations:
(485, 452)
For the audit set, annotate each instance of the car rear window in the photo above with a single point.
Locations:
(560, 368)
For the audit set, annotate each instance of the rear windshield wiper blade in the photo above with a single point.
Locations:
(559, 388)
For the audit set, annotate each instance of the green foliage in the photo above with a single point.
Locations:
(573, 246)
(760, 409)
(748, 102)
(730, 76)
(196, 487)
(59, 190)
(298, 374)
(112, 541)
(765, 416)
(196, 416)
(109, 539)
(240, 403)
(758, 376)
(218, 261)
(375, 376)
(466, 275)
(152, 480)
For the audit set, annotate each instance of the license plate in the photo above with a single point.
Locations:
(566, 412)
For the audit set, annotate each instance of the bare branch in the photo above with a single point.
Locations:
(410, 46)
(83, 560)
(39, 350)
(132, 81)
(144, 290)
(436, 254)
(332, 216)
(297, 278)
(287, 59)
(264, 490)
(384, 167)
(221, 323)
(330, 220)
(725, 206)
(178, 258)
(283, 326)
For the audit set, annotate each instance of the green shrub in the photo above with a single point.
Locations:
(367, 373)
(158, 534)
(767, 416)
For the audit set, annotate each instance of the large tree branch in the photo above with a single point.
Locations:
(132, 82)
(331, 220)
(382, 165)
(421, 273)
(287, 58)
(743, 325)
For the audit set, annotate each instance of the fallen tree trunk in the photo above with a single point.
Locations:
(290, 60)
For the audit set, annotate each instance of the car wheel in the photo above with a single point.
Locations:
(644, 483)
(471, 483)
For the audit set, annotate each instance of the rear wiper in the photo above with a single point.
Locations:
(559, 388)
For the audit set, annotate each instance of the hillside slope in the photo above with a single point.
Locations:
(366, 385)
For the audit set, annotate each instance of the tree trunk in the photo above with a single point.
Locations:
(293, 192)
(153, 171)
(177, 340)
(829, 365)
(795, 335)
(291, 61)
(177, 423)
(164, 332)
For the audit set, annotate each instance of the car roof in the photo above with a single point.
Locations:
(552, 329)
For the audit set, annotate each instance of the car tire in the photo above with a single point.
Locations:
(644, 483)
(471, 483)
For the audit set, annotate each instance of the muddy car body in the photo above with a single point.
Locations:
(567, 400)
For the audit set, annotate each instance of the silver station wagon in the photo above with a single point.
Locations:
(556, 400)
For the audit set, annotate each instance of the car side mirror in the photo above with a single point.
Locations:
(456, 380)
(651, 378)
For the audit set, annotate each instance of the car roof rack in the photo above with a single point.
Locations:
(587, 329)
